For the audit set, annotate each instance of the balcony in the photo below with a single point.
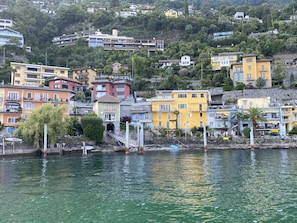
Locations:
(13, 99)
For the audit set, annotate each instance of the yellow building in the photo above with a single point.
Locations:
(183, 109)
(34, 75)
(289, 117)
(224, 60)
(250, 69)
(171, 13)
(84, 75)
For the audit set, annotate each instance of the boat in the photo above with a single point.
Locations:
(172, 146)
(88, 147)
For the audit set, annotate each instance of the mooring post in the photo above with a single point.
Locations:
(141, 140)
(252, 137)
(45, 140)
(204, 138)
(127, 138)
(3, 145)
(84, 148)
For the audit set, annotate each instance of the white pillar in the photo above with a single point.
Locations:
(204, 138)
(141, 140)
(84, 148)
(45, 140)
(252, 137)
(127, 138)
(138, 134)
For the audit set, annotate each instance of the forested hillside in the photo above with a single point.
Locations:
(189, 34)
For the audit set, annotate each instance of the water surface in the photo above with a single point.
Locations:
(187, 186)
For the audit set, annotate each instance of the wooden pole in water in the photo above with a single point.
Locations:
(252, 137)
(127, 139)
(45, 140)
(141, 140)
(3, 145)
(204, 138)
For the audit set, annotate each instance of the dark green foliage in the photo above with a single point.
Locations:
(93, 128)
(246, 132)
(293, 131)
(227, 88)
(240, 86)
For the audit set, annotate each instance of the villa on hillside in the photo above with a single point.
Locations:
(183, 62)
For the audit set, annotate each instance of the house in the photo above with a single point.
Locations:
(238, 16)
(117, 67)
(108, 108)
(84, 75)
(6, 23)
(224, 60)
(126, 14)
(171, 13)
(250, 69)
(65, 83)
(182, 109)
(23, 74)
(19, 101)
(11, 37)
(222, 35)
(183, 62)
(141, 112)
(117, 86)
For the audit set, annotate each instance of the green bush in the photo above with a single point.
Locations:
(246, 132)
(293, 131)
(227, 88)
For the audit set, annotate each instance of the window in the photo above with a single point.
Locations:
(263, 75)
(17, 75)
(182, 95)
(56, 97)
(167, 125)
(17, 82)
(109, 117)
(249, 76)
(194, 95)
(37, 96)
(169, 116)
(263, 67)
(211, 124)
(11, 120)
(201, 114)
(164, 107)
(62, 71)
(182, 106)
(201, 95)
(29, 95)
(160, 124)
(28, 105)
(249, 67)
(45, 97)
(160, 115)
(187, 123)
(110, 107)
(13, 96)
(201, 124)
(248, 60)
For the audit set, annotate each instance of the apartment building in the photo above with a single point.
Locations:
(182, 109)
(18, 102)
(84, 75)
(6, 23)
(65, 83)
(116, 86)
(11, 37)
(224, 60)
(250, 69)
(23, 74)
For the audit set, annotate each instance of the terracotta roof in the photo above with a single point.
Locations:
(65, 78)
(109, 98)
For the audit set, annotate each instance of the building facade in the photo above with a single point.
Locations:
(84, 75)
(108, 108)
(250, 69)
(23, 74)
(182, 109)
(11, 37)
(65, 83)
(18, 102)
(224, 60)
(117, 86)
(141, 112)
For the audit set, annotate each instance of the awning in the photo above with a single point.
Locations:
(274, 130)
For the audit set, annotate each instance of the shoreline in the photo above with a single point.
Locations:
(150, 147)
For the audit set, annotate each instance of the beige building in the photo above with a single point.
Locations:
(34, 75)
(84, 75)
(246, 103)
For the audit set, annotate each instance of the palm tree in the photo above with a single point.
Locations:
(240, 116)
(255, 115)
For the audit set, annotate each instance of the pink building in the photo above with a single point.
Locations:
(65, 83)
(117, 86)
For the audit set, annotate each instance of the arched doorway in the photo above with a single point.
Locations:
(110, 127)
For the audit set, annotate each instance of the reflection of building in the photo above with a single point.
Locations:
(108, 108)
(19, 101)
(23, 74)
(250, 69)
(117, 86)
(11, 37)
(183, 109)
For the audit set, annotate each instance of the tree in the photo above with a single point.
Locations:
(239, 116)
(260, 82)
(279, 74)
(292, 81)
(255, 115)
(93, 127)
(32, 129)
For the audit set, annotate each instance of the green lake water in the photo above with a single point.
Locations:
(186, 186)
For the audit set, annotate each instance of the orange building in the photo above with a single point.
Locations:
(18, 102)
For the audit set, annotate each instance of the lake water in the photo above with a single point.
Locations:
(185, 186)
